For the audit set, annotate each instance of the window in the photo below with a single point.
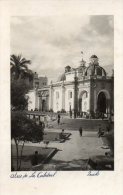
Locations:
(57, 95)
(70, 94)
(36, 84)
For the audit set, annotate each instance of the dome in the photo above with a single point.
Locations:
(94, 60)
(95, 70)
(94, 56)
(67, 69)
(62, 77)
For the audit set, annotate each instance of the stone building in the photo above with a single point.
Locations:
(81, 90)
(39, 82)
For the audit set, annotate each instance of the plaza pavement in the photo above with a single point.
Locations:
(72, 153)
(78, 147)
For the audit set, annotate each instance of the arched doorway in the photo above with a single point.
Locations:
(43, 105)
(43, 100)
(102, 103)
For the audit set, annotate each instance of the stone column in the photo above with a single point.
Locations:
(36, 99)
(95, 100)
(51, 98)
(63, 96)
(89, 95)
(47, 101)
(108, 108)
(40, 103)
(75, 96)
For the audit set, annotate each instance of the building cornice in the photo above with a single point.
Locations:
(81, 81)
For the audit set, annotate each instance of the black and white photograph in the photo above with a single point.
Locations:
(61, 97)
(62, 93)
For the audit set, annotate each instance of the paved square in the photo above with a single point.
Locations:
(72, 154)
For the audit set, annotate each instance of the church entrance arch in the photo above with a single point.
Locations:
(43, 105)
(43, 100)
(103, 102)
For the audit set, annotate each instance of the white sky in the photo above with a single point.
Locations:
(52, 43)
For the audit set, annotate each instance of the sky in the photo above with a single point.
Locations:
(53, 42)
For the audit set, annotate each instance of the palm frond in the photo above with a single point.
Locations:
(19, 65)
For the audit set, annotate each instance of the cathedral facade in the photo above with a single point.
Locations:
(81, 90)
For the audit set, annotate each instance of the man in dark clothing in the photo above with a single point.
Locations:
(35, 159)
(59, 119)
(70, 113)
(80, 131)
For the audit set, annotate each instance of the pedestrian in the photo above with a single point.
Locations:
(35, 159)
(62, 130)
(100, 131)
(70, 113)
(59, 119)
(80, 131)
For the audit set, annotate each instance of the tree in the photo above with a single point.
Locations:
(20, 81)
(24, 129)
(19, 67)
(19, 100)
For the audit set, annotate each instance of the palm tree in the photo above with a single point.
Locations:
(19, 67)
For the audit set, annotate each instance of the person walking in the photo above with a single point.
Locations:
(80, 131)
(70, 113)
(59, 119)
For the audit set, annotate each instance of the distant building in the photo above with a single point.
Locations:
(81, 90)
(39, 82)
